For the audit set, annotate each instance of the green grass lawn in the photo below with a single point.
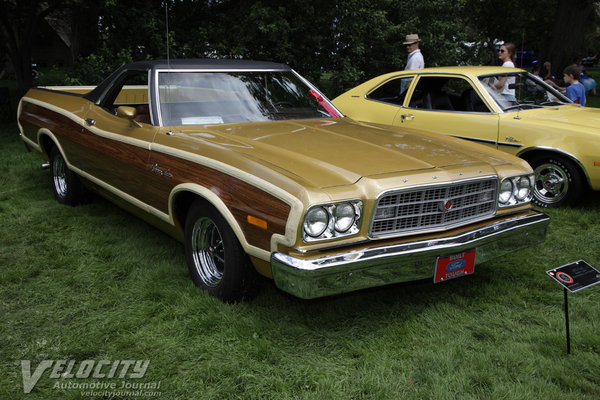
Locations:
(94, 283)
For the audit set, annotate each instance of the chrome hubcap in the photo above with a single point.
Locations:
(208, 251)
(551, 183)
(59, 170)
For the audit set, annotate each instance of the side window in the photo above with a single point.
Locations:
(393, 91)
(132, 90)
(446, 94)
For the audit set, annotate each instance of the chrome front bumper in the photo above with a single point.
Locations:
(310, 277)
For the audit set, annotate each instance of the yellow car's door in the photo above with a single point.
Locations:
(380, 105)
(451, 105)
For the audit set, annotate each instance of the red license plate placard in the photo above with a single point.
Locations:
(454, 266)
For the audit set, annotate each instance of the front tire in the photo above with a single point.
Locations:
(67, 187)
(216, 260)
(557, 181)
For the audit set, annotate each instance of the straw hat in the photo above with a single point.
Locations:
(411, 38)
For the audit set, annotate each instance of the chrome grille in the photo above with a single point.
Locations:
(433, 207)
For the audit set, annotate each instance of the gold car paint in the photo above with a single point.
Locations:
(298, 175)
(270, 161)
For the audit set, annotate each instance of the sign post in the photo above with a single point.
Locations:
(567, 328)
(574, 277)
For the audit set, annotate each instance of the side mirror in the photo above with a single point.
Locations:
(128, 113)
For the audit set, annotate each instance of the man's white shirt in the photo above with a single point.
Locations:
(415, 60)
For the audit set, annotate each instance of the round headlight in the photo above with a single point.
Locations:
(316, 221)
(506, 191)
(523, 188)
(344, 217)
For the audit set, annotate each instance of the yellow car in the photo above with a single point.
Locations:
(525, 117)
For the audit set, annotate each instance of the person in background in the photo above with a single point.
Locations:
(587, 82)
(415, 58)
(506, 54)
(536, 70)
(546, 71)
(575, 90)
(545, 74)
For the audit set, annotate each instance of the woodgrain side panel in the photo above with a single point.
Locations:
(241, 198)
(134, 170)
(118, 164)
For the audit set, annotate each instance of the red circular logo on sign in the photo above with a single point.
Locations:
(564, 277)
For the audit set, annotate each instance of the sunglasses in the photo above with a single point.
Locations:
(501, 51)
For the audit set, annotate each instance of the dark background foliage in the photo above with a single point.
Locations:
(346, 41)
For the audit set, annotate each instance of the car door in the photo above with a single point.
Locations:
(451, 105)
(118, 134)
(383, 102)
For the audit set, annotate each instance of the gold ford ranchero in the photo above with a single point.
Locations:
(525, 117)
(257, 172)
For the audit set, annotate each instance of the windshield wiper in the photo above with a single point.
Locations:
(552, 103)
(522, 106)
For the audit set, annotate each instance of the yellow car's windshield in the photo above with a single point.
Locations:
(521, 90)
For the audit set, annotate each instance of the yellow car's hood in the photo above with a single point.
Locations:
(574, 116)
(334, 152)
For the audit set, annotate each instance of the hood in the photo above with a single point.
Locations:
(574, 116)
(333, 152)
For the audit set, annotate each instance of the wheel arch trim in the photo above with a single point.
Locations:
(545, 149)
(211, 197)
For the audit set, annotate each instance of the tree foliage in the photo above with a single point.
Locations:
(19, 20)
(555, 30)
(350, 40)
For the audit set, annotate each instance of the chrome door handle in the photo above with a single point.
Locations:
(406, 116)
(90, 121)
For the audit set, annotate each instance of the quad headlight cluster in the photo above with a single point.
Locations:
(333, 220)
(516, 190)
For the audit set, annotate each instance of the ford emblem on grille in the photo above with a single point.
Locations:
(445, 205)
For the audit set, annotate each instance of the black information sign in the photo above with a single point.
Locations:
(575, 276)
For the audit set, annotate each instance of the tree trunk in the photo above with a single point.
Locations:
(572, 20)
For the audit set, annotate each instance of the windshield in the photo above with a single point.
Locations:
(521, 91)
(200, 98)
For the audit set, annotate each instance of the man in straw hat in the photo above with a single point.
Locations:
(415, 58)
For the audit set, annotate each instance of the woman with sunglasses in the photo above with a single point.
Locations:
(506, 54)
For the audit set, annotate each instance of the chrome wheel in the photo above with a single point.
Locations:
(208, 252)
(551, 183)
(66, 185)
(59, 176)
(216, 260)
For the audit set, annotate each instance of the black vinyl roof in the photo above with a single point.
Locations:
(182, 64)
(204, 63)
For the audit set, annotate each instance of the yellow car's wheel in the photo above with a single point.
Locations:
(557, 181)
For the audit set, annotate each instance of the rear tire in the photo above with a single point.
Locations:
(215, 258)
(557, 181)
(67, 187)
